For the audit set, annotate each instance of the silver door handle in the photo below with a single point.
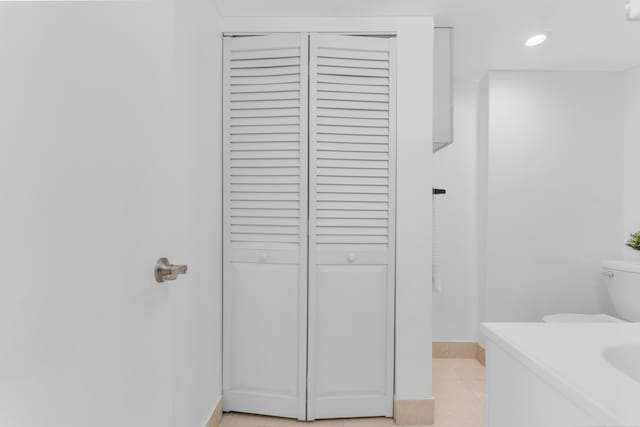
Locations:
(609, 274)
(164, 270)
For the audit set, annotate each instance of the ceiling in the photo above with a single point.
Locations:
(589, 35)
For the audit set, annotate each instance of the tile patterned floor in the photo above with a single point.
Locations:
(458, 387)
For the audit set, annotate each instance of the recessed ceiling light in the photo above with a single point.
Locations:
(633, 10)
(536, 40)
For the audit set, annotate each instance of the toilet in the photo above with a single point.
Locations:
(623, 284)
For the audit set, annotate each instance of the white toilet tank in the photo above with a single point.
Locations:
(623, 283)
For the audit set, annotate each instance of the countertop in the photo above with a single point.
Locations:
(569, 356)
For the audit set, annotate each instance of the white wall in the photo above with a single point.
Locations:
(98, 178)
(414, 176)
(454, 168)
(555, 180)
(631, 158)
(197, 305)
(463, 168)
(482, 195)
(413, 209)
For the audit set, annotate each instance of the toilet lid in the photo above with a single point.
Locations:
(580, 318)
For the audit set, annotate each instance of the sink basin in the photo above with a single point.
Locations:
(626, 359)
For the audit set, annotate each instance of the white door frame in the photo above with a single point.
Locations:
(413, 336)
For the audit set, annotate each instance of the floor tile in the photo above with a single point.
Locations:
(476, 386)
(445, 368)
(470, 369)
(327, 423)
(369, 422)
(452, 389)
(235, 419)
(458, 389)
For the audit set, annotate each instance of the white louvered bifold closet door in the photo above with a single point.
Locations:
(265, 224)
(351, 225)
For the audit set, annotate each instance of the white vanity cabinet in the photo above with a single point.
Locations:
(559, 375)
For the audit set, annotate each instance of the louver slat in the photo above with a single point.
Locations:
(351, 155)
(336, 52)
(265, 130)
(265, 188)
(264, 221)
(266, 96)
(278, 137)
(257, 63)
(353, 189)
(352, 222)
(251, 197)
(353, 96)
(263, 72)
(352, 172)
(352, 121)
(265, 104)
(254, 80)
(353, 130)
(352, 105)
(265, 179)
(265, 229)
(264, 121)
(265, 53)
(260, 173)
(355, 214)
(277, 87)
(258, 113)
(336, 146)
(262, 146)
(355, 80)
(358, 88)
(366, 114)
(354, 63)
(347, 181)
(352, 139)
(265, 213)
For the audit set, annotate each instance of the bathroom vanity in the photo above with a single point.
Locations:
(562, 375)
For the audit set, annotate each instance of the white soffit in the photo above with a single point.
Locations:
(590, 35)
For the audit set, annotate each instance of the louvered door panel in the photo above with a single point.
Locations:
(351, 225)
(265, 235)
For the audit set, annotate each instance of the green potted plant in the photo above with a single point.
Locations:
(634, 241)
